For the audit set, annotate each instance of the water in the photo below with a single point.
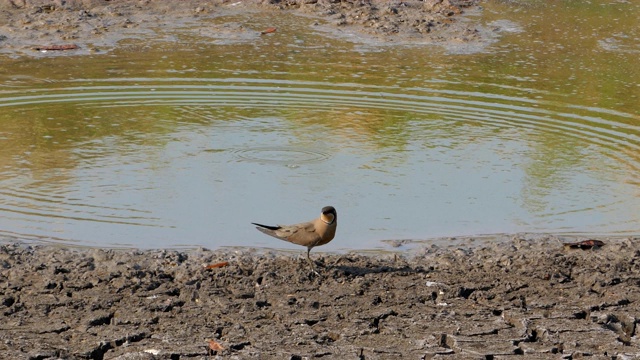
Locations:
(175, 145)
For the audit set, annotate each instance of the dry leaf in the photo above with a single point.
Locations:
(214, 346)
(218, 265)
(268, 30)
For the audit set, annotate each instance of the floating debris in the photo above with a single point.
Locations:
(56, 47)
(585, 245)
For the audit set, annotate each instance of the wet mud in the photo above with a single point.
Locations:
(529, 297)
(80, 27)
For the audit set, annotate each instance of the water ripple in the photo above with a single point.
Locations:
(381, 135)
(281, 155)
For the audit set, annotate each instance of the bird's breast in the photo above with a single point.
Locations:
(326, 232)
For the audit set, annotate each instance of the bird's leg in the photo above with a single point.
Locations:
(313, 269)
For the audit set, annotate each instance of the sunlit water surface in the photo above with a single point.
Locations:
(166, 144)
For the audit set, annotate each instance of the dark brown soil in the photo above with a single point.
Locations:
(530, 298)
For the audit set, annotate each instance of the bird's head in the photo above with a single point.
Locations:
(329, 215)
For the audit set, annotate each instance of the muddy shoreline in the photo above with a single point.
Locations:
(81, 27)
(529, 297)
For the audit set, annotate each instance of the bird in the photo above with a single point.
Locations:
(312, 233)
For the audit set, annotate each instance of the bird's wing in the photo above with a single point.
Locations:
(302, 234)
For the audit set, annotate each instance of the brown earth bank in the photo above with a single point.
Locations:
(93, 26)
(529, 297)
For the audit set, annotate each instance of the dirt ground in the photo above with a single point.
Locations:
(530, 296)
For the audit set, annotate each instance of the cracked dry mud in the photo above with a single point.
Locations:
(526, 298)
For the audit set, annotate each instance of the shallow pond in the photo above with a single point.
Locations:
(180, 142)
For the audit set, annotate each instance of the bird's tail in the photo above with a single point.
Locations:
(267, 226)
